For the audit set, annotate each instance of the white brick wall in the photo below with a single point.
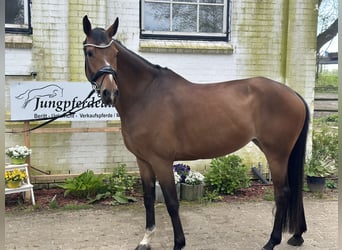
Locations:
(18, 61)
(50, 39)
(272, 38)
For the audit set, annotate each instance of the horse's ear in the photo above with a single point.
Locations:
(111, 31)
(86, 25)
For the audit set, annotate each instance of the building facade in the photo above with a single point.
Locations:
(204, 41)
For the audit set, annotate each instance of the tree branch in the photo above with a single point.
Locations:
(327, 35)
(319, 3)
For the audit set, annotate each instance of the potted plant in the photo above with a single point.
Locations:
(323, 158)
(192, 188)
(182, 170)
(316, 171)
(18, 154)
(14, 178)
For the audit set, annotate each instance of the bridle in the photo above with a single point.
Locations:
(102, 71)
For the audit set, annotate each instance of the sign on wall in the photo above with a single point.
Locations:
(37, 100)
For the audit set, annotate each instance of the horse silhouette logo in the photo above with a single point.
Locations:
(51, 91)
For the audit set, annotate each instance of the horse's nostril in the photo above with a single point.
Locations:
(107, 97)
(106, 93)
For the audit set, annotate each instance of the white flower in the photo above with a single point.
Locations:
(18, 152)
(194, 178)
(177, 177)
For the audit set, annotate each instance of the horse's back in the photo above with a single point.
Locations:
(227, 115)
(209, 120)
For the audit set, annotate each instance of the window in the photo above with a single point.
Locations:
(185, 19)
(17, 16)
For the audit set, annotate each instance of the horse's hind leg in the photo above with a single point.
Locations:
(281, 195)
(297, 239)
(280, 215)
(300, 225)
(148, 182)
(289, 205)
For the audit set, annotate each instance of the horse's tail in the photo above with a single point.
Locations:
(295, 215)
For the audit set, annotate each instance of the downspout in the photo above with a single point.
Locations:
(339, 126)
(285, 24)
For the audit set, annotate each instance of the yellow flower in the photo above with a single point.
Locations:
(15, 175)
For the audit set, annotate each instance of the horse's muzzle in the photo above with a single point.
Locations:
(109, 97)
(108, 93)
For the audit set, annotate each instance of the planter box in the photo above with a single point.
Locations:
(159, 193)
(16, 161)
(191, 192)
(315, 184)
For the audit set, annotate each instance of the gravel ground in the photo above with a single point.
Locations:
(224, 225)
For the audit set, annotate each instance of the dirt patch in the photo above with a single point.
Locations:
(49, 198)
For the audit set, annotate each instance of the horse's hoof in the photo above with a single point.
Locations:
(268, 246)
(295, 241)
(143, 247)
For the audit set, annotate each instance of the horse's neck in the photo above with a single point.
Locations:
(135, 74)
(133, 68)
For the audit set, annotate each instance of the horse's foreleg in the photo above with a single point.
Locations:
(148, 182)
(168, 187)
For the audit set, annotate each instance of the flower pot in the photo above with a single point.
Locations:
(191, 192)
(13, 184)
(16, 161)
(159, 193)
(315, 184)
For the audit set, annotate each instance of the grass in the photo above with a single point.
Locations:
(53, 203)
(269, 195)
(327, 82)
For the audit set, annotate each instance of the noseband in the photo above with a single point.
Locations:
(102, 71)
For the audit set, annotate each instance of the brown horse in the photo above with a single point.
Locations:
(165, 118)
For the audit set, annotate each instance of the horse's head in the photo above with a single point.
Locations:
(100, 60)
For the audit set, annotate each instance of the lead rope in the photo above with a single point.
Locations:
(69, 112)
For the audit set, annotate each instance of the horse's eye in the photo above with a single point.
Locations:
(89, 53)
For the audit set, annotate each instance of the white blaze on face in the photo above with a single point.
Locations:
(148, 236)
(109, 75)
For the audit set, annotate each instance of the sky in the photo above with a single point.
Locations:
(331, 46)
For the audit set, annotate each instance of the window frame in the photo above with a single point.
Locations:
(172, 35)
(25, 28)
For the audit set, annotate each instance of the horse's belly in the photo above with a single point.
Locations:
(210, 145)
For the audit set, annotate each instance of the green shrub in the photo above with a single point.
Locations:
(211, 196)
(120, 184)
(227, 174)
(323, 159)
(331, 184)
(331, 119)
(117, 186)
(86, 185)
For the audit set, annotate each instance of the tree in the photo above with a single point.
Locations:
(327, 21)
